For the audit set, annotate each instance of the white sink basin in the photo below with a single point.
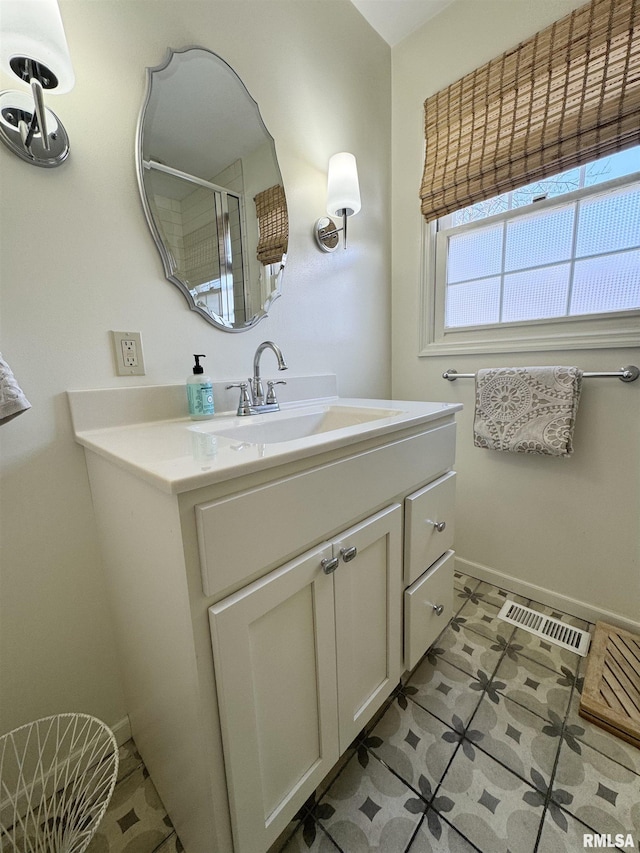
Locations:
(284, 426)
(144, 430)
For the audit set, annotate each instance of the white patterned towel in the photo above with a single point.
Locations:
(527, 409)
(12, 400)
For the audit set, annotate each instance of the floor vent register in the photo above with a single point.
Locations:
(553, 630)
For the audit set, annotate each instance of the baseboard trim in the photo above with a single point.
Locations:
(573, 606)
(122, 730)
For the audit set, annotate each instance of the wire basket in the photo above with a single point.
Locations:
(57, 776)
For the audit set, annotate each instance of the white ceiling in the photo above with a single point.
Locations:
(396, 19)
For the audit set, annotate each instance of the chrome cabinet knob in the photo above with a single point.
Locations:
(439, 525)
(348, 554)
(329, 564)
(438, 609)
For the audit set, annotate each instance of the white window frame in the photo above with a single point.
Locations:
(588, 331)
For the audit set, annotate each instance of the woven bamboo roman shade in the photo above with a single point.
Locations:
(273, 223)
(566, 96)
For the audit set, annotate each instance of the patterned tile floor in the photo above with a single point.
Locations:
(481, 750)
(135, 821)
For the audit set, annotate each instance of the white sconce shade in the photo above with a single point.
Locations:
(32, 30)
(343, 191)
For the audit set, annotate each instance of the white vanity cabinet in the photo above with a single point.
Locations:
(249, 665)
(303, 658)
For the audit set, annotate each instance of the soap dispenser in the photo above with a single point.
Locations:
(199, 393)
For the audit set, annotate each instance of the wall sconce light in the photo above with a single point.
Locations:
(343, 199)
(34, 48)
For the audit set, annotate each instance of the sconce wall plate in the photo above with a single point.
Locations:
(16, 118)
(326, 234)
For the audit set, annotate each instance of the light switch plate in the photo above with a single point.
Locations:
(127, 349)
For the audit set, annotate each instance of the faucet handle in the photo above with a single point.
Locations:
(244, 406)
(271, 394)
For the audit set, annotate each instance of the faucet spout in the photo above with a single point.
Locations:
(256, 382)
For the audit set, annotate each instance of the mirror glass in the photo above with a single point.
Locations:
(211, 188)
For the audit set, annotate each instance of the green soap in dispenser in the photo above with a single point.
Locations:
(199, 393)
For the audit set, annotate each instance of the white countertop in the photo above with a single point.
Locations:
(180, 454)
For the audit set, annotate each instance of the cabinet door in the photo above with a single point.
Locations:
(368, 590)
(275, 665)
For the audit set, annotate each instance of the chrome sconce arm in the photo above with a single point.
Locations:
(39, 120)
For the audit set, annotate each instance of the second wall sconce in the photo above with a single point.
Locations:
(343, 199)
(34, 48)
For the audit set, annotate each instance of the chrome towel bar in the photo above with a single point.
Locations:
(626, 374)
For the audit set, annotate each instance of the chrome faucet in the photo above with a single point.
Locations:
(252, 396)
(257, 391)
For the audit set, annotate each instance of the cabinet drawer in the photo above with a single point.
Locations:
(287, 515)
(429, 525)
(422, 622)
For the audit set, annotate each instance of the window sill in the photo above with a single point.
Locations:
(501, 340)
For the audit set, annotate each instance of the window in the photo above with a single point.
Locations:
(554, 264)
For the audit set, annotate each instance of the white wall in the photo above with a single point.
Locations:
(570, 526)
(78, 260)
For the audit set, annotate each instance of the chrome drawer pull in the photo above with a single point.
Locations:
(439, 525)
(438, 609)
(348, 553)
(330, 564)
